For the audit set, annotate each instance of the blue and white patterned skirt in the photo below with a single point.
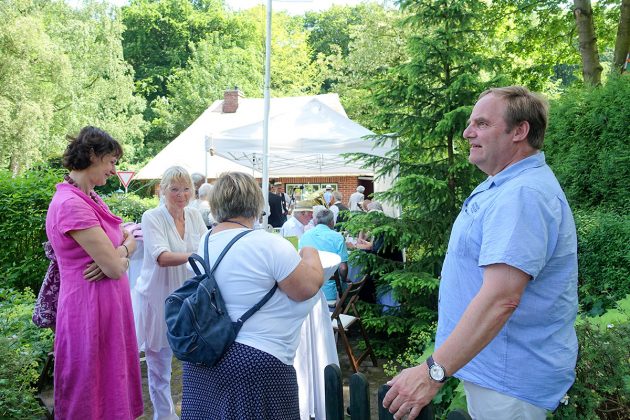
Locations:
(247, 383)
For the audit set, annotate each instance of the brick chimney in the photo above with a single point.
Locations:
(230, 100)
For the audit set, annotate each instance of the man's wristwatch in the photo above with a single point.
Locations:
(436, 371)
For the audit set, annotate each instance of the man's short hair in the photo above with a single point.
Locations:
(337, 195)
(523, 105)
(374, 206)
(323, 217)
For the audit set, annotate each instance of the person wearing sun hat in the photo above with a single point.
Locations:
(328, 195)
(301, 216)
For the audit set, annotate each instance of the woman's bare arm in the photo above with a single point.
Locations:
(307, 278)
(98, 246)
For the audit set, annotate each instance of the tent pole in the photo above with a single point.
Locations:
(205, 154)
(265, 174)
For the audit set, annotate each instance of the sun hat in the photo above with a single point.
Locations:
(304, 205)
(329, 187)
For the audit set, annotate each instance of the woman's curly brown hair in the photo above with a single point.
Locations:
(91, 141)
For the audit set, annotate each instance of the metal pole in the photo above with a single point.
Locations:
(265, 171)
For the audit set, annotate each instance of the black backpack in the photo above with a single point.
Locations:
(199, 328)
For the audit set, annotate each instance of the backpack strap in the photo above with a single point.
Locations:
(239, 322)
(225, 250)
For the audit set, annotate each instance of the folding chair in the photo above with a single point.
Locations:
(345, 316)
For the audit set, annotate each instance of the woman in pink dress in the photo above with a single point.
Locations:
(97, 370)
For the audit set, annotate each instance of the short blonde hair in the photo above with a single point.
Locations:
(175, 174)
(236, 194)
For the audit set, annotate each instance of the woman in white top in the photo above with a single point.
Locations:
(255, 378)
(171, 233)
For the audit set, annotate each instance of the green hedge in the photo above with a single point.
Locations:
(603, 259)
(587, 145)
(24, 202)
(23, 350)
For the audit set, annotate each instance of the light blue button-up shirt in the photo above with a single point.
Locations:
(518, 217)
(323, 238)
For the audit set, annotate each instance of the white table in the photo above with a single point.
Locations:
(317, 349)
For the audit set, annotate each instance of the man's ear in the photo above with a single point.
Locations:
(521, 131)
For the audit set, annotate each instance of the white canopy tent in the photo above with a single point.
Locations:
(306, 141)
(306, 136)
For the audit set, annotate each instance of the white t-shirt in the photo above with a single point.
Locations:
(246, 273)
(292, 227)
(155, 283)
(355, 199)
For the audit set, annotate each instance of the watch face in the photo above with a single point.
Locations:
(437, 373)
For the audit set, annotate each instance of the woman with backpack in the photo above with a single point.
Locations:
(255, 377)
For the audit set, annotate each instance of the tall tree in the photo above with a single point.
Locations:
(61, 68)
(591, 67)
(622, 43)
(425, 101)
(159, 33)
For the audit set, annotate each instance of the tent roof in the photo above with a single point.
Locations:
(306, 136)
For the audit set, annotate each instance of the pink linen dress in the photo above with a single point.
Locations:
(97, 368)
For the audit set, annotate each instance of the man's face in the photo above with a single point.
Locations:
(304, 216)
(492, 148)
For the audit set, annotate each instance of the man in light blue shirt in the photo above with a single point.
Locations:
(324, 238)
(508, 293)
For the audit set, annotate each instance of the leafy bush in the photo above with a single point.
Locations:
(23, 350)
(587, 145)
(603, 259)
(24, 201)
(602, 386)
(130, 207)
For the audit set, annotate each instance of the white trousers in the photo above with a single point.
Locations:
(486, 404)
(159, 373)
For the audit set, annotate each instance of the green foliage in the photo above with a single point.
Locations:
(587, 145)
(159, 35)
(129, 206)
(62, 68)
(602, 386)
(24, 201)
(604, 259)
(23, 349)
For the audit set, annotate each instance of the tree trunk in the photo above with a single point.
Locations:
(591, 68)
(622, 44)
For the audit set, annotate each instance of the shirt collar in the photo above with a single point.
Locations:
(534, 161)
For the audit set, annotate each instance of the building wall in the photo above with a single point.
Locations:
(345, 184)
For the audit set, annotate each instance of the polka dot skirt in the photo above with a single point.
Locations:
(246, 384)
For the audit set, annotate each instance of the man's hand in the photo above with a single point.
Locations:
(411, 390)
(93, 272)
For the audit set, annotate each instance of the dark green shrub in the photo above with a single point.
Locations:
(587, 145)
(24, 201)
(23, 349)
(603, 259)
(602, 386)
